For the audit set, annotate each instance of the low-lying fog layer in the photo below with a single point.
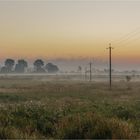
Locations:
(97, 77)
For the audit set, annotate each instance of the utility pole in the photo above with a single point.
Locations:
(85, 73)
(90, 71)
(110, 65)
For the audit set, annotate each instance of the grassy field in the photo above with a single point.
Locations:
(31, 108)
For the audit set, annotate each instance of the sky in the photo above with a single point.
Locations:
(52, 29)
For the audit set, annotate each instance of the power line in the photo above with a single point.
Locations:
(123, 44)
(126, 36)
(126, 39)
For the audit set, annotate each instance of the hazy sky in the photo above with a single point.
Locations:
(53, 29)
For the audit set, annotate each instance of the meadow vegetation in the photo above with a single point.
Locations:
(32, 108)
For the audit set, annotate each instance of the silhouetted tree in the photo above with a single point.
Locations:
(39, 65)
(9, 63)
(21, 65)
(4, 69)
(51, 68)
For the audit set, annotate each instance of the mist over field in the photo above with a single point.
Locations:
(71, 64)
(69, 69)
(101, 64)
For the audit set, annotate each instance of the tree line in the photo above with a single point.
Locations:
(21, 66)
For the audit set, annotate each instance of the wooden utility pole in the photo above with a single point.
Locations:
(90, 71)
(85, 73)
(110, 65)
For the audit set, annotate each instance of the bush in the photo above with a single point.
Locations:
(92, 126)
(123, 112)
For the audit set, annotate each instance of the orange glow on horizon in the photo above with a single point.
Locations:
(68, 30)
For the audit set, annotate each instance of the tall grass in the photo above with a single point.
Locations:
(68, 110)
(35, 121)
(93, 126)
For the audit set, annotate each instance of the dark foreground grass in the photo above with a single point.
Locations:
(69, 110)
(35, 121)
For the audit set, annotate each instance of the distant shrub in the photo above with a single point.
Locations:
(128, 78)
